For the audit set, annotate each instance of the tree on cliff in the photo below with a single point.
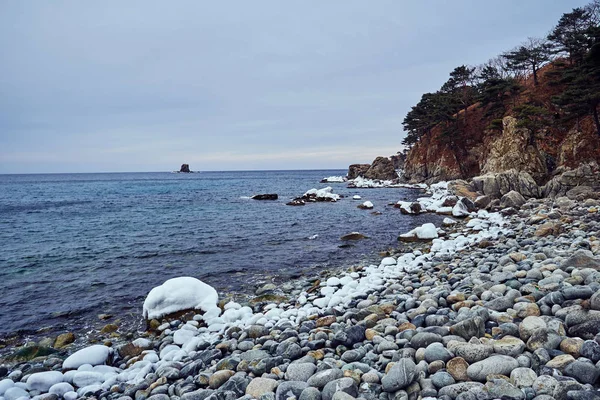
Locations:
(529, 56)
(460, 87)
(432, 109)
(569, 36)
(494, 88)
(582, 94)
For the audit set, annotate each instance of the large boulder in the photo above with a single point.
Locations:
(566, 181)
(498, 184)
(381, 169)
(356, 170)
(512, 199)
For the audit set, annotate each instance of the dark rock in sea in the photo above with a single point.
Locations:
(382, 169)
(267, 196)
(185, 168)
(354, 236)
(296, 202)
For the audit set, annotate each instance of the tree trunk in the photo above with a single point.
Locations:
(596, 120)
(535, 77)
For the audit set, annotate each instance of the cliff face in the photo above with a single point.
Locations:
(479, 150)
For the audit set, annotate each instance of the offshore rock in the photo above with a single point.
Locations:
(382, 168)
(356, 170)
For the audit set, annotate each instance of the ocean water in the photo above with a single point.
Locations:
(73, 246)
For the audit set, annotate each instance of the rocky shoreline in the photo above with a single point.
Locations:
(507, 306)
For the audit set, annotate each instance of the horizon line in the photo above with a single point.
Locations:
(171, 172)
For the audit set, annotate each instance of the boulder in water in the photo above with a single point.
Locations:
(266, 196)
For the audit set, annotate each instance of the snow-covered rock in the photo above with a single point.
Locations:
(14, 393)
(179, 294)
(426, 231)
(93, 355)
(61, 388)
(367, 205)
(334, 179)
(43, 381)
(356, 197)
(5, 384)
(460, 210)
(448, 222)
(325, 194)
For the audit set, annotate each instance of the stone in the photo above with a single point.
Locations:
(469, 328)
(287, 389)
(512, 199)
(529, 325)
(437, 351)
(457, 367)
(289, 350)
(544, 338)
(259, 386)
(494, 365)
(509, 346)
(63, 340)
(399, 376)
(310, 393)
(346, 385)
(442, 379)
(300, 372)
(321, 378)
(581, 260)
(453, 391)
(219, 378)
(572, 346)
(548, 228)
(523, 377)
(499, 388)
(584, 372)
(424, 339)
(356, 170)
(469, 351)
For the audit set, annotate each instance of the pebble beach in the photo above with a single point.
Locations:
(501, 302)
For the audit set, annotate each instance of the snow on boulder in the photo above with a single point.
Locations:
(448, 222)
(460, 210)
(367, 205)
(6, 384)
(179, 294)
(426, 231)
(93, 355)
(43, 381)
(60, 389)
(325, 194)
(356, 197)
(334, 179)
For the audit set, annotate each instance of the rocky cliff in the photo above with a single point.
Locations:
(551, 160)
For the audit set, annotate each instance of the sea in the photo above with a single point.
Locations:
(73, 246)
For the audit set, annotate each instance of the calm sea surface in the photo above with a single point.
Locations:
(73, 246)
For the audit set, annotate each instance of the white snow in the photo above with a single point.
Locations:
(448, 222)
(179, 294)
(325, 193)
(313, 237)
(356, 197)
(61, 388)
(367, 204)
(333, 281)
(14, 393)
(460, 210)
(335, 179)
(43, 381)
(5, 384)
(426, 231)
(93, 355)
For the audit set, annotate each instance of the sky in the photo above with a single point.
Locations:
(110, 86)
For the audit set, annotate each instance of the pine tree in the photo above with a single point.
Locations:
(530, 56)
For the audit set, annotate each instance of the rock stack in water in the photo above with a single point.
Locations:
(510, 311)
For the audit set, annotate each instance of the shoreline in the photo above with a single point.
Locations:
(411, 316)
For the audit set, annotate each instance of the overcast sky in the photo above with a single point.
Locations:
(90, 86)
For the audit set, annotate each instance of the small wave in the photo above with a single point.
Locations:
(313, 237)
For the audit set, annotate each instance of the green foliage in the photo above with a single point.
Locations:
(532, 116)
(530, 56)
(569, 35)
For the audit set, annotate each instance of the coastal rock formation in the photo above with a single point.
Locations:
(498, 184)
(566, 180)
(382, 169)
(185, 168)
(514, 151)
(356, 170)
